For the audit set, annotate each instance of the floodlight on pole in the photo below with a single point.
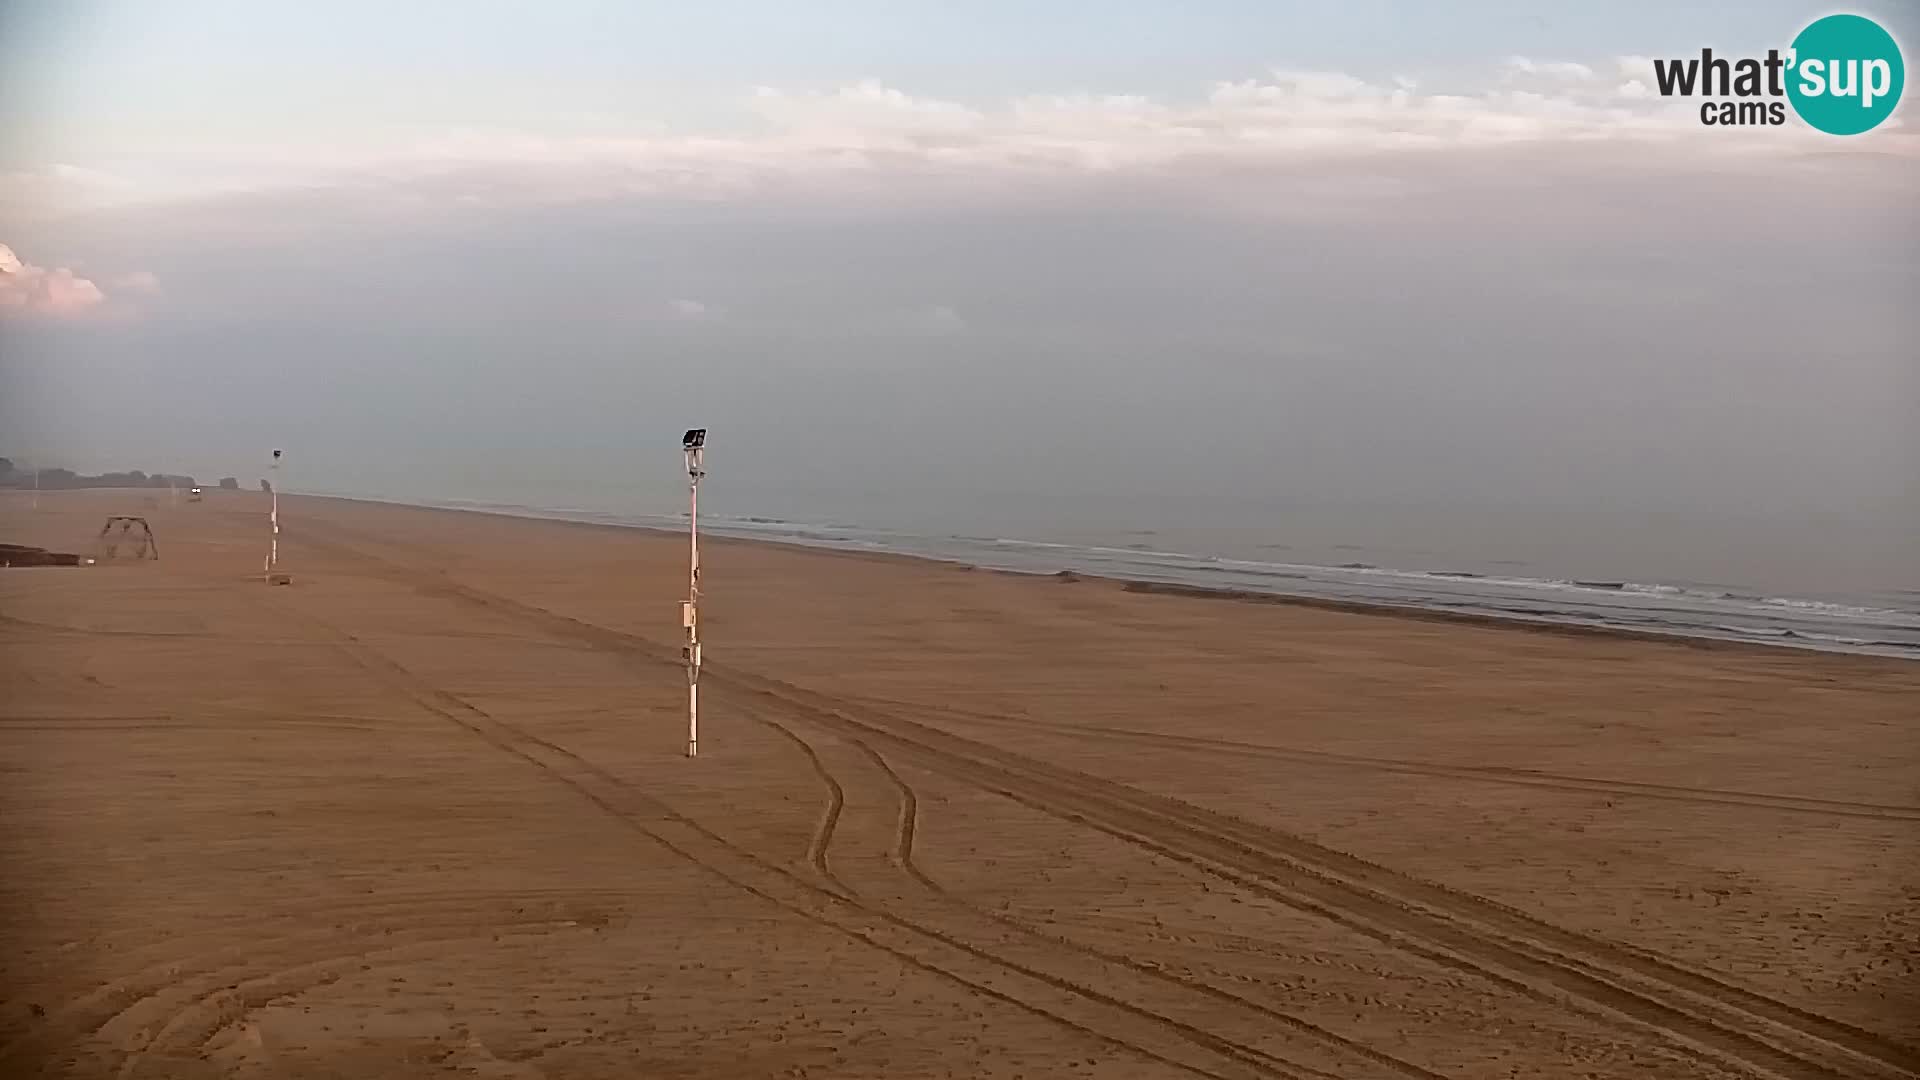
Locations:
(694, 445)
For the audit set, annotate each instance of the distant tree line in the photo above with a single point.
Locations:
(60, 479)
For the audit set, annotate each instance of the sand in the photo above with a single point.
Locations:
(424, 812)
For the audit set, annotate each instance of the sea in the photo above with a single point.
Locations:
(1815, 586)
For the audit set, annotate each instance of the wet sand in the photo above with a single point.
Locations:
(425, 812)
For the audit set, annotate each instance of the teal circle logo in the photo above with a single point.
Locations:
(1845, 75)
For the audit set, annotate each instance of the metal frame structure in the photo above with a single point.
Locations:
(693, 444)
(134, 530)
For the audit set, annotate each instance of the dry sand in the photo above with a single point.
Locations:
(424, 812)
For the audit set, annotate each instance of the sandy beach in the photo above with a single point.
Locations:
(425, 812)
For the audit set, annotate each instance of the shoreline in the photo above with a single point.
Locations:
(1147, 586)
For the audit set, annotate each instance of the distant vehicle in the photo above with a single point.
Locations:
(193, 494)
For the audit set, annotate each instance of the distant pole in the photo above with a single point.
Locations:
(273, 516)
(694, 445)
(36, 487)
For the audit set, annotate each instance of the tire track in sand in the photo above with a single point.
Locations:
(148, 999)
(1096, 986)
(1476, 773)
(921, 947)
(1469, 933)
(221, 1004)
(822, 837)
(902, 856)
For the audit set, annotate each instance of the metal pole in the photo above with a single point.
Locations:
(694, 472)
(273, 515)
(694, 444)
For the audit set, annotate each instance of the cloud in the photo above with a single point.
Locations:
(865, 106)
(1553, 69)
(872, 145)
(61, 189)
(1633, 67)
(36, 290)
(26, 289)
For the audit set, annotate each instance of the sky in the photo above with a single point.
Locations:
(1373, 252)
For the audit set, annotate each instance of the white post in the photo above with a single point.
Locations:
(273, 516)
(694, 444)
(693, 624)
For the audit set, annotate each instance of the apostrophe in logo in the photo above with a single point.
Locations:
(1843, 75)
(1846, 74)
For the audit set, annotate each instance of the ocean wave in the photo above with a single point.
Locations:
(1662, 607)
(1825, 607)
(1137, 555)
(1756, 631)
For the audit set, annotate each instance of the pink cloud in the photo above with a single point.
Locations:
(26, 289)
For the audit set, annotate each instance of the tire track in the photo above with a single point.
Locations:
(905, 941)
(1266, 1063)
(909, 821)
(822, 836)
(163, 722)
(1478, 773)
(902, 856)
(1695, 1010)
(121, 1001)
(49, 629)
(190, 1027)
(997, 946)
(124, 1000)
(1638, 988)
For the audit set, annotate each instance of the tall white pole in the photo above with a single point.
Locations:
(694, 444)
(693, 624)
(692, 620)
(273, 514)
